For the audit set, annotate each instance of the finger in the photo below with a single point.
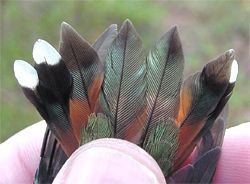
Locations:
(234, 163)
(110, 161)
(20, 155)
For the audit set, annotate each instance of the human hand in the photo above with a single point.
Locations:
(117, 161)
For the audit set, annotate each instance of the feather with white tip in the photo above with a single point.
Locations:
(203, 96)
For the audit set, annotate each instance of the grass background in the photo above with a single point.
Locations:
(206, 30)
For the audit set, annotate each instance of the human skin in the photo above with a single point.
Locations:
(114, 161)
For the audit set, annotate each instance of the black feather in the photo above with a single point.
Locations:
(52, 159)
(55, 95)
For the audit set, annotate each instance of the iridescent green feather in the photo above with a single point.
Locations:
(99, 126)
(162, 144)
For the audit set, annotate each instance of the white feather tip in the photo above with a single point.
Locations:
(25, 74)
(43, 52)
(234, 71)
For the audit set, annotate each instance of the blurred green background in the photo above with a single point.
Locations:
(206, 30)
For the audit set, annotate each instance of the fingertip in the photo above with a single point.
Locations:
(234, 162)
(110, 161)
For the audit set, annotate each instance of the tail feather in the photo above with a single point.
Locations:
(54, 89)
(83, 63)
(52, 159)
(101, 46)
(123, 99)
(165, 65)
(103, 42)
(206, 92)
(164, 77)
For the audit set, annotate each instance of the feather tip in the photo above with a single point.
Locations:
(25, 74)
(234, 72)
(43, 52)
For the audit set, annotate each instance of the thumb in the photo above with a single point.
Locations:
(20, 155)
(110, 161)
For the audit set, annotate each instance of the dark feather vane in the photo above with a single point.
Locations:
(124, 86)
(164, 75)
(83, 63)
(102, 44)
(52, 159)
(112, 89)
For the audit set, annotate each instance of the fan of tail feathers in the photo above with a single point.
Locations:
(111, 89)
